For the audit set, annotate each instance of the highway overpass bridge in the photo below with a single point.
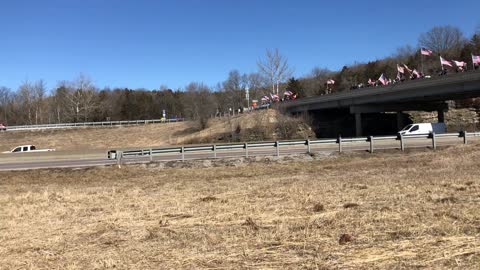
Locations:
(349, 111)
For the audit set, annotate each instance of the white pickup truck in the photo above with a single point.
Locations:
(27, 149)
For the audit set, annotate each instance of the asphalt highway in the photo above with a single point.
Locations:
(27, 161)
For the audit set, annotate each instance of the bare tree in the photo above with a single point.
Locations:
(320, 73)
(275, 68)
(234, 88)
(199, 103)
(24, 100)
(442, 39)
(38, 95)
(404, 52)
(5, 99)
(255, 83)
(81, 96)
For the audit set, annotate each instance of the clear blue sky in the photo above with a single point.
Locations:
(140, 43)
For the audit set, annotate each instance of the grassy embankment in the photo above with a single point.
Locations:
(351, 211)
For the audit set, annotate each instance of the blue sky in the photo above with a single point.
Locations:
(145, 44)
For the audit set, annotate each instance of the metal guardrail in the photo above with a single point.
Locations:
(276, 145)
(93, 124)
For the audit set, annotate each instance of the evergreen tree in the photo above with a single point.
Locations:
(295, 86)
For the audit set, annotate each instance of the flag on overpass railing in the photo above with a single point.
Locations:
(383, 79)
(476, 59)
(460, 63)
(416, 73)
(445, 62)
(425, 51)
(400, 69)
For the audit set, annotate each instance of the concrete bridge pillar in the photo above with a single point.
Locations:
(441, 116)
(400, 123)
(358, 124)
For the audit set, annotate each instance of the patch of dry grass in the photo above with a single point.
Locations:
(404, 211)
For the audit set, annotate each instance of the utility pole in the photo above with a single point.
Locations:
(247, 97)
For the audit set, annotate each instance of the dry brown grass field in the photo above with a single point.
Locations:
(357, 211)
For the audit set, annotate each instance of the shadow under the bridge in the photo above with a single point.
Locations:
(332, 123)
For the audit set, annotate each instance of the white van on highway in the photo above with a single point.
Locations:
(423, 128)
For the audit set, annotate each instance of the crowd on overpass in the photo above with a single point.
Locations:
(404, 73)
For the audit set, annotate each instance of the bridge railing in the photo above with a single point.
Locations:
(288, 147)
(93, 124)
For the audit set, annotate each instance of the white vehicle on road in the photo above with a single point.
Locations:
(423, 128)
(27, 149)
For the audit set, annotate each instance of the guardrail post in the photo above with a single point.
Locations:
(370, 138)
(434, 142)
(402, 143)
(150, 153)
(465, 137)
(246, 150)
(277, 145)
(183, 153)
(119, 158)
(340, 144)
(214, 151)
(309, 149)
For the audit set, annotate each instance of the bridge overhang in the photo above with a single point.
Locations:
(401, 107)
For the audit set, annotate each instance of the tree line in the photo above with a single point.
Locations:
(79, 100)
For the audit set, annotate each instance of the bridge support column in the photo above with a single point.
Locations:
(358, 124)
(441, 116)
(400, 123)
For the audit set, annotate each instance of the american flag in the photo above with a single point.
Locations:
(331, 81)
(415, 72)
(288, 93)
(371, 82)
(445, 62)
(265, 98)
(426, 51)
(400, 69)
(476, 59)
(460, 63)
(274, 97)
(383, 79)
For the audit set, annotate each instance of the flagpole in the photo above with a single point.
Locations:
(473, 63)
(421, 59)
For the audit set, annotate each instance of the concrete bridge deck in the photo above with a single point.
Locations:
(415, 95)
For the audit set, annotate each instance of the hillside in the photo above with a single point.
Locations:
(259, 125)
(255, 126)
